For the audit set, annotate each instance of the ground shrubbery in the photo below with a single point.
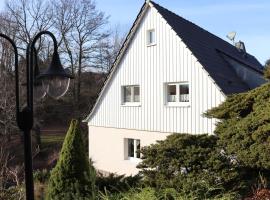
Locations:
(113, 183)
(150, 193)
(193, 165)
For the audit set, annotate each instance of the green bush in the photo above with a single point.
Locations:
(191, 164)
(244, 127)
(149, 193)
(267, 69)
(73, 177)
(41, 176)
(117, 183)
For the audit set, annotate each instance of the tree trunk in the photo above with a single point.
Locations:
(79, 75)
(37, 134)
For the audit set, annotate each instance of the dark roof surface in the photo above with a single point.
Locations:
(207, 47)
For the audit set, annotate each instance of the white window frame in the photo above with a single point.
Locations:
(148, 37)
(126, 156)
(132, 103)
(177, 103)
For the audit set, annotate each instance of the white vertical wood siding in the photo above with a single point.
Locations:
(151, 67)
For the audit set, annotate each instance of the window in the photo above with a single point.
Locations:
(177, 92)
(136, 92)
(133, 147)
(184, 93)
(127, 94)
(151, 39)
(131, 94)
(171, 93)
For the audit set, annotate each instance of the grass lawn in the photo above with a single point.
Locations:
(50, 140)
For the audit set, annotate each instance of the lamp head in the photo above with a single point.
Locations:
(55, 79)
(39, 90)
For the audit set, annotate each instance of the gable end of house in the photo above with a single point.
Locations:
(219, 69)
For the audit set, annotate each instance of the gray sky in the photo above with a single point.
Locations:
(249, 18)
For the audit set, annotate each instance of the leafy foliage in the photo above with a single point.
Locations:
(117, 183)
(267, 69)
(191, 164)
(41, 176)
(73, 177)
(150, 193)
(244, 127)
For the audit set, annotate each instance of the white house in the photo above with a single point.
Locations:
(168, 72)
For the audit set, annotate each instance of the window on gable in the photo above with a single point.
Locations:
(127, 94)
(136, 91)
(131, 94)
(171, 93)
(177, 92)
(151, 37)
(184, 93)
(132, 147)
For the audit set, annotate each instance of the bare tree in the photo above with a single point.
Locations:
(63, 23)
(28, 17)
(4, 159)
(7, 105)
(87, 36)
(31, 17)
(108, 50)
(9, 175)
(15, 174)
(7, 94)
(81, 27)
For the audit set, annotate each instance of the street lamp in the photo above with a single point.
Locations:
(54, 82)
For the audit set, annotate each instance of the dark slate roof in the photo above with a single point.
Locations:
(207, 47)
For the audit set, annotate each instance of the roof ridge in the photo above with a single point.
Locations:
(195, 25)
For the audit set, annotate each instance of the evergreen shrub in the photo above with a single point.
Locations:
(191, 164)
(73, 176)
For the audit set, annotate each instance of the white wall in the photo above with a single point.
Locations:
(106, 148)
(150, 67)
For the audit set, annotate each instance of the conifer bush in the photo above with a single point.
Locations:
(191, 164)
(73, 176)
(267, 69)
(244, 128)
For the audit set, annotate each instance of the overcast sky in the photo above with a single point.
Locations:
(249, 18)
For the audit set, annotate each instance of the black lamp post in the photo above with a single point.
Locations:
(54, 82)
